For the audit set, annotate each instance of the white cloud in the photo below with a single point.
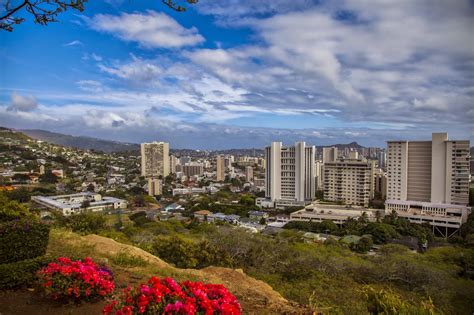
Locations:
(151, 29)
(22, 103)
(74, 43)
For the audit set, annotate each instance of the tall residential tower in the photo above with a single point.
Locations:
(428, 181)
(155, 159)
(290, 174)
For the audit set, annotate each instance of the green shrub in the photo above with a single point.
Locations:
(390, 303)
(22, 239)
(11, 210)
(84, 223)
(21, 273)
(124, 259)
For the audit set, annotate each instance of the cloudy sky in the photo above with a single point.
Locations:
(242, 73)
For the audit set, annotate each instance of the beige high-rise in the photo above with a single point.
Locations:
(220, 168)
(428, 181)
(350, 181)
(434, 171)
(155, 159)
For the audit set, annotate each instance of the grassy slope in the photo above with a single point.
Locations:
(136, 266)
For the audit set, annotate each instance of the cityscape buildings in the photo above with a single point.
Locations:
(428, 181)
(350, 181)
(290, 175)
(220, 168)
(155, 160)
(76, 203)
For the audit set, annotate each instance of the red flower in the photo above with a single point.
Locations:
(75, 279)
(166, 296)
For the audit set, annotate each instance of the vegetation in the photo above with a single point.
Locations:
(21, 273)
(47, 11)
(331, 276)
(22, 235)
(83, 223)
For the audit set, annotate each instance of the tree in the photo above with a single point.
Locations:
(85, 204)
(364, 245)
(47, 11)
(91, 187)
(48, 177)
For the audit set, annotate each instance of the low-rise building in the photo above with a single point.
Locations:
(202, 215)
(318, 212)
(76, 203)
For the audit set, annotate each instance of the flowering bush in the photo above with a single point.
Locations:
(166, 296)
(77, 280)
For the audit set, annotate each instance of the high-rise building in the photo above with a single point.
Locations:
(192, 169)
(173, 162)
(155, 159)
(350, 181)
(220, 168)
(382, 159)
(290, 174)
(319, 175)
(353, 155)
(380, 183)
(428, 181)
(249, 173)
(329, 154)
(155, 187)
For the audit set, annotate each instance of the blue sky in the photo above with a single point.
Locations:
(236, 74)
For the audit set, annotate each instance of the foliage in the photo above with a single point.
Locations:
(124, 259)
(381, 232)
(188, 254)
(364, 245)
(84, 223)
(21, 273)
(326, 226)
(390, 303)
(11, 210)
(78, 280)
(166, 296)
(21, 195)
(21, 239)
(467, 231)
(48, 177)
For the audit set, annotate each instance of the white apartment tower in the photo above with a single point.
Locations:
(155, 159)
(429, 178)
(290, 174)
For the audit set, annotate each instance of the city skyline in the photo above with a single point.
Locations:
(240, 75)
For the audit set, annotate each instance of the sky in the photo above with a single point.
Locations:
(242, 73)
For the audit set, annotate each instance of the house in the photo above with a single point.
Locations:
(174, 207)
(256, 216)
(202, 215)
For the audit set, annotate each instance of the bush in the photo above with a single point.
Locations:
(189, 254)
(22, 239)
(127, 260)
(17, 274)
(78, 280)
(84, 223)
(390, 303)
(11, 210)
(166, 296)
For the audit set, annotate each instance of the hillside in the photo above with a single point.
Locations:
(255, 297)
(79, 142)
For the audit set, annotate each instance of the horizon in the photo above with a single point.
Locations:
(241, 75)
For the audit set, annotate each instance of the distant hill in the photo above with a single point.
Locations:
(80, 142)
(108, 146)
